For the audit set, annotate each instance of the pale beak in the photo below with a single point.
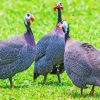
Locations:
(32, 18)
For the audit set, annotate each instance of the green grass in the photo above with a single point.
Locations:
(84, 19)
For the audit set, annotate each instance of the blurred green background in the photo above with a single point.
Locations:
(84, 19)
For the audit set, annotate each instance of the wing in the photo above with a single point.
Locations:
(41, 47)
(9, 52)
(94, 58)
(77, 61)
(43, 66)
(93, 54)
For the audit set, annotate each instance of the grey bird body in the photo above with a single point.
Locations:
(41, 47)
(17, 53)
(52, 54)
(50, 51)
(82, 63)
(15, 57)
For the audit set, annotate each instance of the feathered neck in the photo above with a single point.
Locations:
(59, 31)
(29, 37)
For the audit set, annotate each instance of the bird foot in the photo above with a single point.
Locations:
(59, 82)
(91, 93)
(34, 81)
(81, 95)
(12, 86)
(86, 87)
(43, 83)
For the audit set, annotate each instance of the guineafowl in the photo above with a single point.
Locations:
(50, 51)
(81, 62)
(17, 53)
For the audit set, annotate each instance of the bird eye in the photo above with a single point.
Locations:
(28, 15)
(60, 3)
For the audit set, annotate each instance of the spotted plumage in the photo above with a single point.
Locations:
(50, 51)
(82, 63)
(17, 53)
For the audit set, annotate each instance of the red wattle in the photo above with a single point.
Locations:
(55, 8)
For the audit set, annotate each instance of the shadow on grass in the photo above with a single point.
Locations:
(52, 84)
(15, 87)
(96, 95)
(85, 95)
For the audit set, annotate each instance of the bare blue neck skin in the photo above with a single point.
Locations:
(59, 15)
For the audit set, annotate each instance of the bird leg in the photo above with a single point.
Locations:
(34, 80)
(81, 92)
(58, 74)
(92, 91)
(35, 76)
(45, 77)
(11, 83)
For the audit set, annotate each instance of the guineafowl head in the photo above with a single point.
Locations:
(59, 7)
(28, 17)
(65, 27)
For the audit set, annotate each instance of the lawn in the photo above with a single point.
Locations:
(84, 19)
